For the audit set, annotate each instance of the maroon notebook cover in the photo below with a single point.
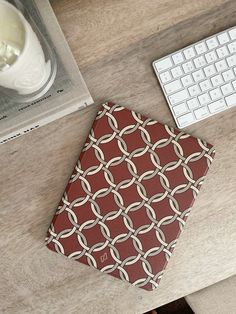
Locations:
(129, 196)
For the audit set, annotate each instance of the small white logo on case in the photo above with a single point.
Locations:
(103, 257)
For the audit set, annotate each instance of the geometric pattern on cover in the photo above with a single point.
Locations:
(129, 196)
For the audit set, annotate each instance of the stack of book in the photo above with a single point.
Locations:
(67, 94)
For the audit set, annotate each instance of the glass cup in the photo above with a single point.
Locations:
(27, 62)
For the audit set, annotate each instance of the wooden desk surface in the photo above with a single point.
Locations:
(114, 43)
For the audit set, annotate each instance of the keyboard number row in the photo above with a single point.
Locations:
(200, 74)
(199, 61)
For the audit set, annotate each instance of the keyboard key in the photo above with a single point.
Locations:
(194, 90)
(201, 113)
(228, 75)
(227, 89)
(221, 65)
(204, 99)
(193, 103)
(178, 58)
(211, 56)
(178, 97)
(232, 33)
(186, 119)
(180, 109)
(222, 52)
(188, 67)
(217, 80)
(173, 86)
(231, 100)
(176, 72)
(212, 43)
(165, 77)
(223, 38)
(231, 60)
(234, 85)
(187, 80)
(189, 53)
(232, 47)
(215, 94)
(216, 106)
(199, 62)
(201, 48)
(209, 70)
(163, 64)
(198, 75)
(205, 85)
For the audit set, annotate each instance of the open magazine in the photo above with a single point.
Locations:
(68, 92)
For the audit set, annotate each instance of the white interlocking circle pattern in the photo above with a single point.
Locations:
(129, 196)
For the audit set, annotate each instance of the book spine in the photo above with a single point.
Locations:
(40, 122)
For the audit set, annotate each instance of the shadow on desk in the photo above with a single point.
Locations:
(176, 307)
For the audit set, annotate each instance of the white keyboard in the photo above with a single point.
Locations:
(199, 81)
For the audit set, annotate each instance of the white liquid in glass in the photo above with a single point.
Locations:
(8, 54)
(23, 67)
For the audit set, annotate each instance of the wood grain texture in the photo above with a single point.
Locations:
(114, 43)
(218, 298)
(96, 29)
